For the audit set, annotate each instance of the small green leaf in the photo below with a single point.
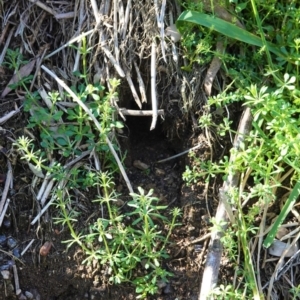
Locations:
(61, 142)
(95, 97)
(119, 124)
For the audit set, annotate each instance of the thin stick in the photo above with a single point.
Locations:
(133, 90)
(81, 20)
(27, 247)
(95, 11)
(174, 50)
(153, 86)
(43, 6)
(157, 13)
(4, 211)
(113, 61)
(6, 45)
(162, 29)
(97, 124)
(141, 83)
(16, 277)
(60, 185)
(275, 276)
(47, 192)
(9, 115)
(68, 15)
(6, 187)
(179, 154)
(139, 113)
(45, 208)
(126, 21)
(45, 183)
(200, 239)
(77, 159)
(70, 42)
(115, 33)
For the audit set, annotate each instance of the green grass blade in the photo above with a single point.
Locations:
(284, 212)
(225, 28)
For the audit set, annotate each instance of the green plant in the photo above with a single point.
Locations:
(295, 291)
(227, 292)
(124, 242)
(268, 158)
(14, 59)
(129, 246)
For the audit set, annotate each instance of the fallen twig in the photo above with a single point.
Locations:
(61, 185)
(4, 211)
(79, 28)
(141, 83)
(16, 277)
(153, 86)
(126, 20)
(7, 42)
(43, 6)
(47, 192)
(211, 271)
(6, 187)
(27, 247)
(162, 28)
(68, 15)
(115, 31)
(139, 113)
(113, 61)
(95, 11)
(9, 115)
(133, 90)
(70, 42)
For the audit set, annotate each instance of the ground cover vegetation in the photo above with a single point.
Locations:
(120, 241)
(260, 65)
(266, 79)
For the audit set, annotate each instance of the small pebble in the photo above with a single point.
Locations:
(4, 267)
(29, 295)
(18, 292)
(7, 223)
(168, 289)
(11, 263)
(159, 172)
(161, 284)
(35, 294)
(2, 240)
(5, 274)
(140, 165)
(11, 243)
(16, 253)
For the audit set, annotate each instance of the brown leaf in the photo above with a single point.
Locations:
(23, 72)
(44, 250)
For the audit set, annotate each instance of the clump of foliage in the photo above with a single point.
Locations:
(265, 78)
(129, 246)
